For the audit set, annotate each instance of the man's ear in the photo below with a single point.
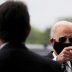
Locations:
(52, 41)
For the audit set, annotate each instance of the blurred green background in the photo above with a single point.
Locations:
(42, 37)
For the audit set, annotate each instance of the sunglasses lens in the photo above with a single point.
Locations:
(62, 39)
(70, 39)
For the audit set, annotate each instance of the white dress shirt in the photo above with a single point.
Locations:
(68, 67)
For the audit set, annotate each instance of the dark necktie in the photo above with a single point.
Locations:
(64, 67)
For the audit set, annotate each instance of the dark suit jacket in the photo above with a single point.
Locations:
(18, 57)
(50, 55)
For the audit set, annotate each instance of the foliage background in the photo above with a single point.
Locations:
(38, 37)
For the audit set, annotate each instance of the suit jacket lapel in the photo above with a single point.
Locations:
(71, 63)
(50, 55)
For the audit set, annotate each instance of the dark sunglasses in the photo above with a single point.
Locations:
(63, 39)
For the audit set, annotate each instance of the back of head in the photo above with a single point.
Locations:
(14, 21)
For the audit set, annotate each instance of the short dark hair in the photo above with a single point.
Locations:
(14, 21)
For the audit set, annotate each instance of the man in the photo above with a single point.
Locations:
(61, 40)
(14, 29)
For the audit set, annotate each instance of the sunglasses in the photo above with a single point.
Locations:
(63, 39)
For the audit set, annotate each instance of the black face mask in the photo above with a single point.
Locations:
(60, 46)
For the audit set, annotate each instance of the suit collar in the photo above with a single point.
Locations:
(14, 46)
(3, 45)
(50, 55)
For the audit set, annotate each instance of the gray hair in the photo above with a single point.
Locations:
(58, 24)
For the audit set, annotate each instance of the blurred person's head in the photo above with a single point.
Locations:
(14, 22)
(61, 35)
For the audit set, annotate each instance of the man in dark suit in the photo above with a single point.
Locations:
(61, 40)
(14, 29)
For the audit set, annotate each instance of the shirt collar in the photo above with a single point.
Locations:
(3, 45)
(54, 55)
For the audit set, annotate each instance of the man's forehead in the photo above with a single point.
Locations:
(64, 31)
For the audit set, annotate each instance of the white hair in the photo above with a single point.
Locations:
(58, 24)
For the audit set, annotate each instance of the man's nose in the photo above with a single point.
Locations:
(67, 41)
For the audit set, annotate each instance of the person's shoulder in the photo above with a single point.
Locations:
(40, 59)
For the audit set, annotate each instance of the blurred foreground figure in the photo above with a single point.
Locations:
(14, 29)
